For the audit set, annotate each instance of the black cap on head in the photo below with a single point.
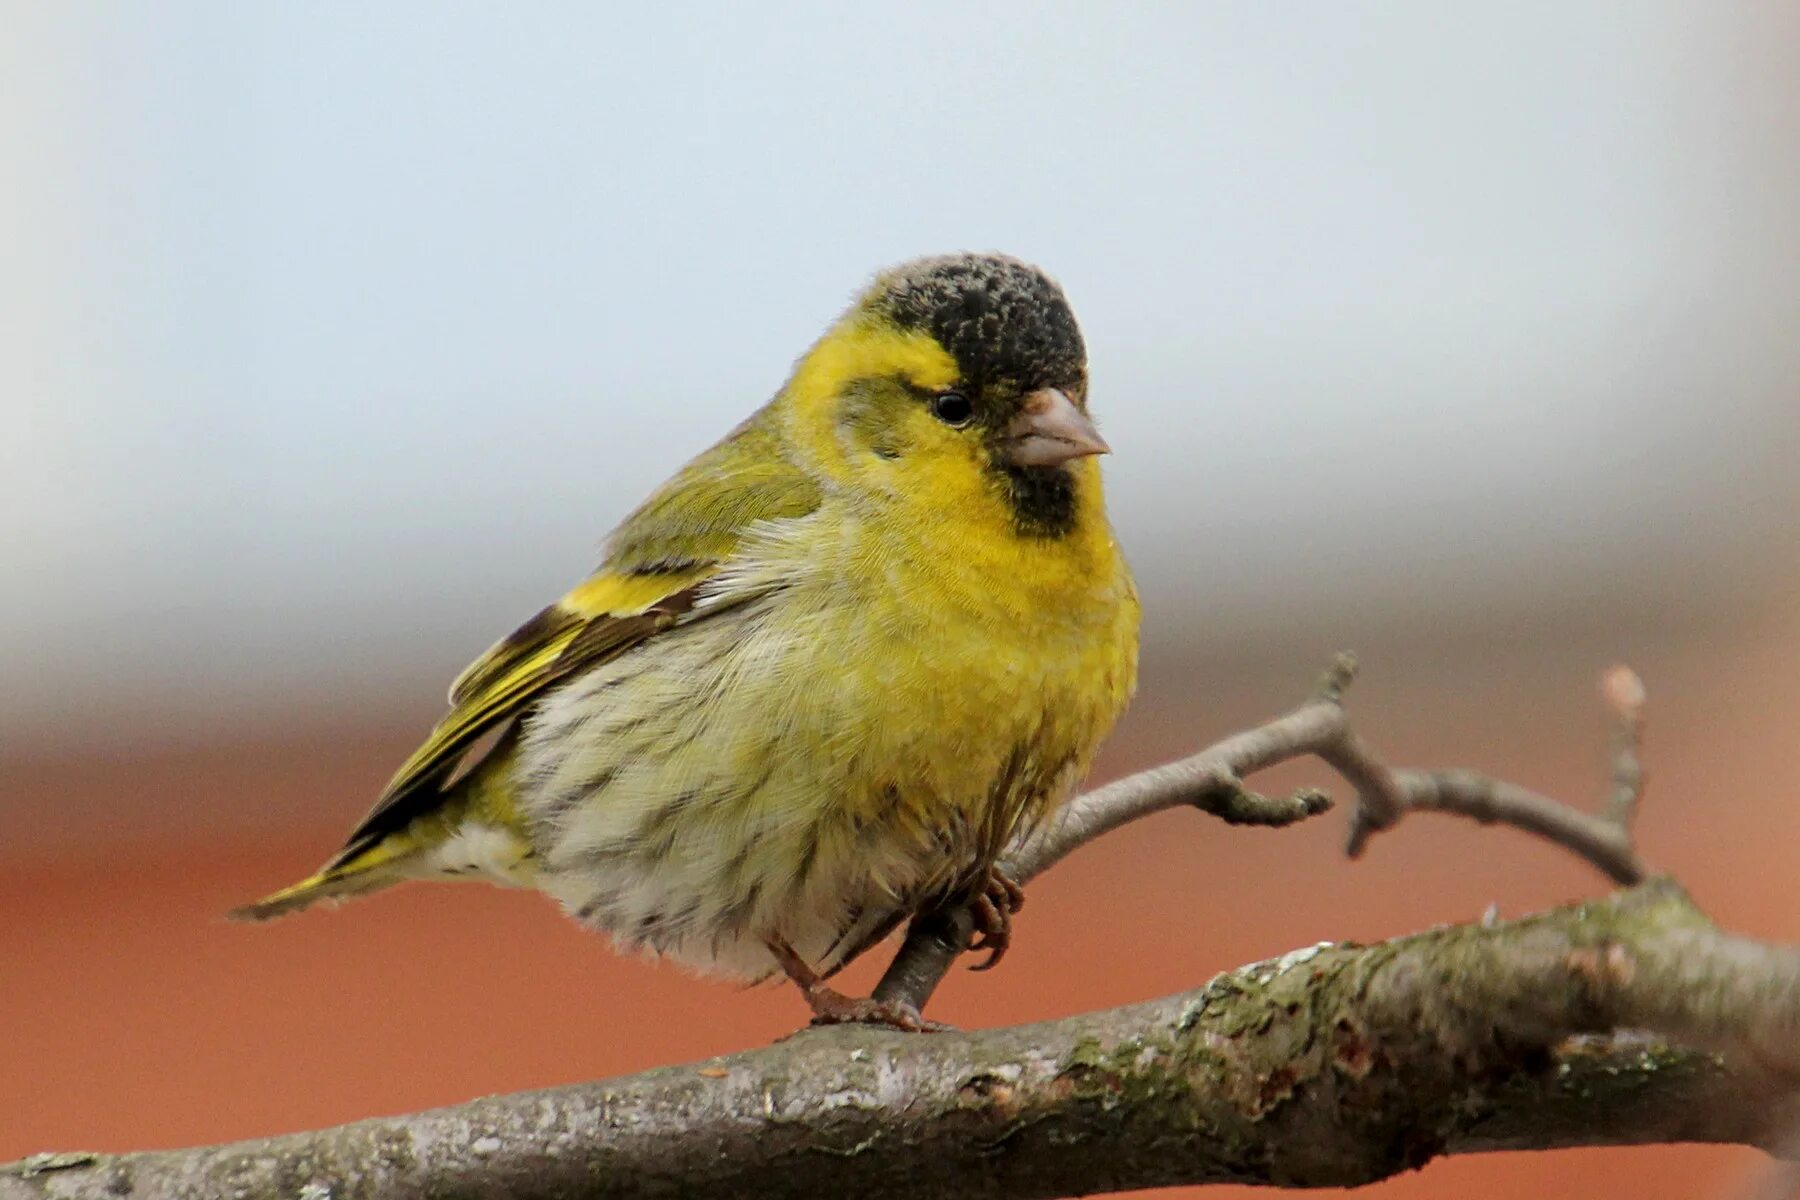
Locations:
(1001, 319)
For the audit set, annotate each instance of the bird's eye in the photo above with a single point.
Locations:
(952, 408)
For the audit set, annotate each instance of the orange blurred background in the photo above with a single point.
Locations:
(332, 337)
(137, 1017)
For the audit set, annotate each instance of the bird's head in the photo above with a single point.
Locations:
(954, 380)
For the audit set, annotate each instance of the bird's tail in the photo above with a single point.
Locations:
(472, 832)
(353, 873)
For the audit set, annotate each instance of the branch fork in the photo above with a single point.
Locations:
(1213, 782)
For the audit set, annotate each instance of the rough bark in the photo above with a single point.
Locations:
(1623, 1021)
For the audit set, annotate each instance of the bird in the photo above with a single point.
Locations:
(821, 678)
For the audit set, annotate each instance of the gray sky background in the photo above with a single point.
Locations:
(333, 339)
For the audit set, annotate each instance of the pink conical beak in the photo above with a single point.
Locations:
(1051, 430)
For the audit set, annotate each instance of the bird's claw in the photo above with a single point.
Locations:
(992, 909)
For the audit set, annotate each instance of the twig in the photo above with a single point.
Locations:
(1335, 1065)
(1624, 694)
(1212, 781)
(1604, 841)
(1599, 840)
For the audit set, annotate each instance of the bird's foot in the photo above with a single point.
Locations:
(832, 1007)
(992, 909)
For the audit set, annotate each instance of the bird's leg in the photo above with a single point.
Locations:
(992, 908)
(832, 1007)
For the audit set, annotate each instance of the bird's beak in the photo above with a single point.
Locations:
(1051, 430)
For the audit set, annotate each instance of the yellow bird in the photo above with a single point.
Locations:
(823, 675)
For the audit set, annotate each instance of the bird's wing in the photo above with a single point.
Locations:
(655, 564)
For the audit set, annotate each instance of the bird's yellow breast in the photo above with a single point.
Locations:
(977, 669)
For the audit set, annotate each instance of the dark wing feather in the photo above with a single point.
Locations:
(656, 561)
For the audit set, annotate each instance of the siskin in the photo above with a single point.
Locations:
(823, 676)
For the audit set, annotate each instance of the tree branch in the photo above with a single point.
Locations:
(1622, 1021)
(1336, 1065)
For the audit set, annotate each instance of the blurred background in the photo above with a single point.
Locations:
(333, 339)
